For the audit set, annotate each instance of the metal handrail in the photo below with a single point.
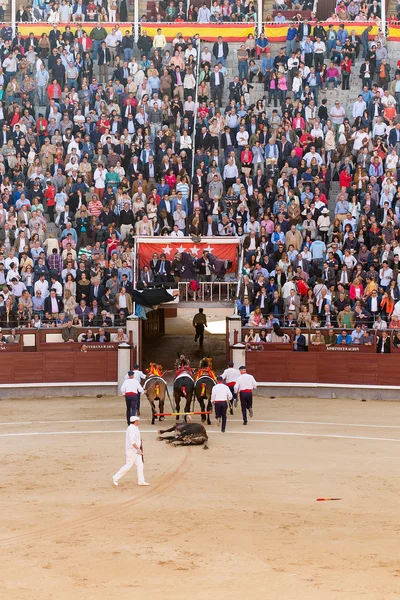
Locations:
(240, 277)
(196, 90)
(208, 291)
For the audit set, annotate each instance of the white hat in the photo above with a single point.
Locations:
(134, 418)
(325, 211)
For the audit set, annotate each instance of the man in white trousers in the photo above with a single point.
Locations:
(133, 451)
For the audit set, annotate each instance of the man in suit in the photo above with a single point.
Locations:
(144, 227)
(123, 301)
(177, 82)
(301, 262)
(146, 277)
(227, 141)
(203, 139)
(262, 301)
(259, 180)
(235, 88)
(52, 304)
(245, 311)
(199, 179)
(299, 341)
(103, 62)
(383, 345)
(54, 37)
(328, 275)
(246, 290)
(304, 30)
(103, 336)
(162, 270)
(375, 109)
(69, 333)
(96, 291)
(220, 51)
(82, 311)
(292, 303)
(217, 86)
(210, 227)
(394, 137)
(174, 145)
(150, 171)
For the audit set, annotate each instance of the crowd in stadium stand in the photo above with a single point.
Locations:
(107, 153)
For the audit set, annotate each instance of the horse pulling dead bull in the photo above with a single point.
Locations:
(183, 384)
(205, 382)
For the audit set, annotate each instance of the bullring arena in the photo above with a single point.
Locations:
(237, 521)
(191, 189)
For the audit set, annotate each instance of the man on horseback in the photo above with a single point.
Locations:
(205, 369)
(182, 365)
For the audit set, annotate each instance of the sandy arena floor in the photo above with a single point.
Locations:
(238, 521)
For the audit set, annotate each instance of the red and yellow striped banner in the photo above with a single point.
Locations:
(38, 28)
(235, 32)
(277, 32)
(394, 32)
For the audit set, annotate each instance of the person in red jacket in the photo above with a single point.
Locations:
(345, 178)
(54, 90)
(345, 68)
(50, 195)
(41, 128)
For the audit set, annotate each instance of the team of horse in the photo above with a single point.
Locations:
(186, 386)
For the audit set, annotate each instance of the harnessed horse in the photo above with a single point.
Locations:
(203, 390)
(155, 388)
(183, 388)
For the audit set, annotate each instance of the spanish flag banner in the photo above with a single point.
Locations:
(235, 32)
(38, 28)
(394, 32)
(277, 32)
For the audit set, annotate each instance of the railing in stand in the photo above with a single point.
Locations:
(240, 277)
(196, 105)
(208, 291)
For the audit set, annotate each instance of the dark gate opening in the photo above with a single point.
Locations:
(164, 348)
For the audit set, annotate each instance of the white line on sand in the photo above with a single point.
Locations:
(326, 423)
(277, 433)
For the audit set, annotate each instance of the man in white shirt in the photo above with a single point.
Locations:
(380, 127)
(230, 173)
(131, 389)
(175, 233)
(385, 274)
(204, 14)
(230, 376)
(358, 107)
(242, 137)
(133, 451)
(42, 286)
(138, 375)
(337, 115)
(220, 397)
(361, 138)
(245, 386)
(313, 154)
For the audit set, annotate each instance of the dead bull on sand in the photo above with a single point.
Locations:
(186, 434)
